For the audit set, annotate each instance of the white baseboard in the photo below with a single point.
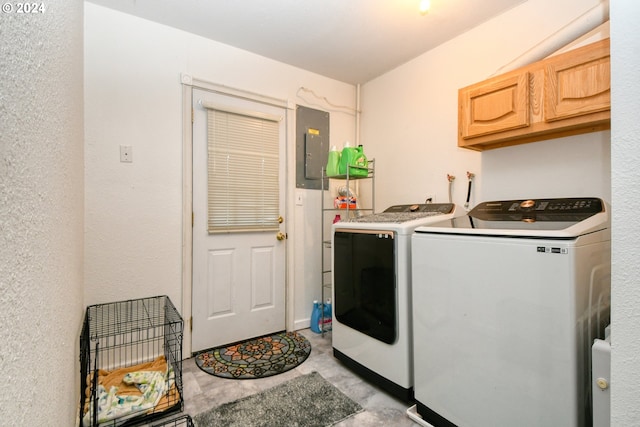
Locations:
(301, 324)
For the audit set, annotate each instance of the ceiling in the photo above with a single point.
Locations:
(352, 41)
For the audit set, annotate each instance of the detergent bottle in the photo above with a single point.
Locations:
(360, 162)
(315, 317)
(346, 158)
(333, 163)
(326, 322)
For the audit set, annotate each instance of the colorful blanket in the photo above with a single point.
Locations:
(132, 391)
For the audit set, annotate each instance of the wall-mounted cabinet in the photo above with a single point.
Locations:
(566, 94)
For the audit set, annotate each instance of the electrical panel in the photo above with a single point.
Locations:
(312, 147)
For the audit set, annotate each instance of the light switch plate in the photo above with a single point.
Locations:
(126, 154)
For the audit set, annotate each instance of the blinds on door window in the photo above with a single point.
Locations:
(243, 176)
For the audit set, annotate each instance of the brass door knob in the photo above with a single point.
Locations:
(281, 236)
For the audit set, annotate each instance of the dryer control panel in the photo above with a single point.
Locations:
(444, 208)
(561, 209)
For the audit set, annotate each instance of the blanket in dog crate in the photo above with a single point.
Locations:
(128, 392)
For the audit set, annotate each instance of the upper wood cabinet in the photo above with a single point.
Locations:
(495, 106)
(563, 95)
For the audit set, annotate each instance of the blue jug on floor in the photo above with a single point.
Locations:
(315, 318)
(326, 322)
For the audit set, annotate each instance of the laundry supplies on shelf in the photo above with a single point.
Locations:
(350, 161)
(353, 161)
(341, 202)
(333, 162)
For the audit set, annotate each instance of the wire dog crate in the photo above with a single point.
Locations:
(130, 362)
(183, 421)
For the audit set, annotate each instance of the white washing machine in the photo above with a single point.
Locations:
(371, 265)
(507, 301)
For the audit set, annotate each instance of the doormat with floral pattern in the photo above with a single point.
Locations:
(257, 357)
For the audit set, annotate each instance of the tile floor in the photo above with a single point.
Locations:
(203, 391)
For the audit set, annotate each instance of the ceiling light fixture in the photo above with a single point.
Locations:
(424, 6)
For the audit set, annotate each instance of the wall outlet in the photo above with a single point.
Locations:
(126, 154)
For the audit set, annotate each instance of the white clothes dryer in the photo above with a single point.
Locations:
(507, 301)
(371, 266)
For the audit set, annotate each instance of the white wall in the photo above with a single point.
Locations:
(417, 146)
(625, 153)
(133, 97)
(41, 214)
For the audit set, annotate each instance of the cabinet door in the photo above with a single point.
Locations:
(579, 84)
(495, 105)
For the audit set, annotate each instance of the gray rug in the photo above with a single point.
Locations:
(305, 401)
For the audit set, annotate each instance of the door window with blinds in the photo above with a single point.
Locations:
(243, 176)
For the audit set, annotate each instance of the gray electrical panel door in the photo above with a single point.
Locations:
(312, 147)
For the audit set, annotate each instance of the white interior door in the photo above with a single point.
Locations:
(238, 276)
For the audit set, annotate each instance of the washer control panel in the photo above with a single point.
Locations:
(561, 209)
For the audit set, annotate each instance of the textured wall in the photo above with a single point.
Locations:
(625, 161)
(41, 212)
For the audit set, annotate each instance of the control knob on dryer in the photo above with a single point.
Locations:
(527, 205)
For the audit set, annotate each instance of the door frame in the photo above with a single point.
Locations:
(188, 84)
